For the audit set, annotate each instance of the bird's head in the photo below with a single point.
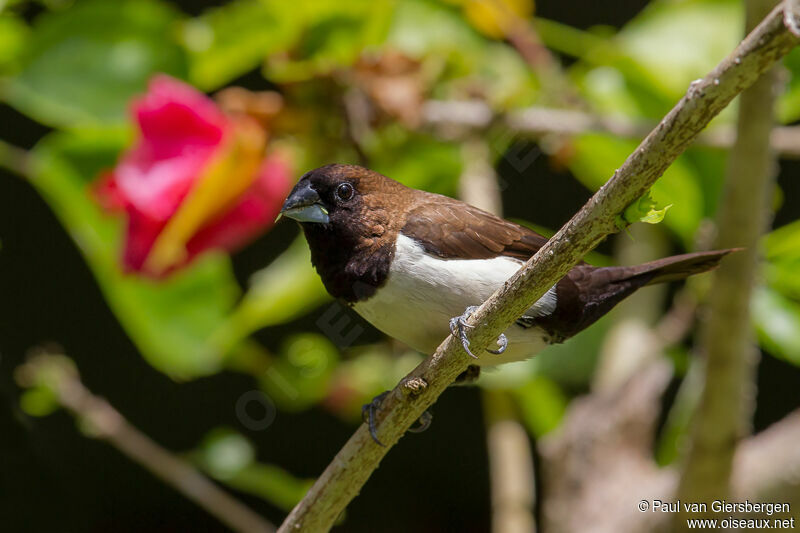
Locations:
(342, 196)
(350, 216)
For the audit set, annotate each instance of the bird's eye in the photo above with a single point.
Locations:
(344, 192)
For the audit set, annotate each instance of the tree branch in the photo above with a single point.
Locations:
(352, 466)
(723, 415)
(59, 375)
(599, 462)
(767, 465)
(536, 121)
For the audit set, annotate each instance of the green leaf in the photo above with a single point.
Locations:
(231, 40)
(299, 378)
(642, 210)
(13, 36)
(225, 452)
(282, 291)
(789, 100)
(542, 403)
(567, 39)
(782, 250)
(39, 401)
(334, 36)
(169, 320)
(417, 160)
(429, 28)
(440, 36)
(654, 216)
(783, 243)
(648, 65)
(677, 42)
(777, 321)
(83, 65)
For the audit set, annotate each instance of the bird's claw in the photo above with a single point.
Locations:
(369, 410)
(458, 327)
(502, 342)
(424, 423)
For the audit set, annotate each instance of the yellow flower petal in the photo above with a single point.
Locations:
(496, 18)
(228, 175)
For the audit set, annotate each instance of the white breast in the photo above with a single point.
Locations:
(422, 292)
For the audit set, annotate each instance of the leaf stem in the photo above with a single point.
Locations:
(15, 159)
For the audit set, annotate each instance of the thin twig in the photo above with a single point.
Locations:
(537, 121)
(723, 415)
(478, 183)
(58, 373)
(356, 115)
(14, 159)
(343, 478)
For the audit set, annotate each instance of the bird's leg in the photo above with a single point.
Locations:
(369, 410)
(458, 327)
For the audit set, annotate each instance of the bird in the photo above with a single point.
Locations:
(415, 264)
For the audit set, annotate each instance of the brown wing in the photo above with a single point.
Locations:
(455, 230)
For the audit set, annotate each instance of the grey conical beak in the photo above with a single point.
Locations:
(305, 205)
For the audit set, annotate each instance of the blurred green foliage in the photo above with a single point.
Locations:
(77, 66)
(230, 458)
(82, 65)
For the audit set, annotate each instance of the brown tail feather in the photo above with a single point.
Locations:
(676, 267)
(587, 293)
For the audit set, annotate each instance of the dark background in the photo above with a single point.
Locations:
(52, 478)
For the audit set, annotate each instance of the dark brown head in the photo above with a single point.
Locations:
(350, 216)
(342, 196)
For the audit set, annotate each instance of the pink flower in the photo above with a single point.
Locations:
(195, 180)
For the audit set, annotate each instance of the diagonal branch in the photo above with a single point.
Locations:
(343, 478)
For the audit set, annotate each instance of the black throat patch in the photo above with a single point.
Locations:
(351, 270)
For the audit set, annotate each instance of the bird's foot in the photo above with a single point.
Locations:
(458, 327)
(370, 410)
